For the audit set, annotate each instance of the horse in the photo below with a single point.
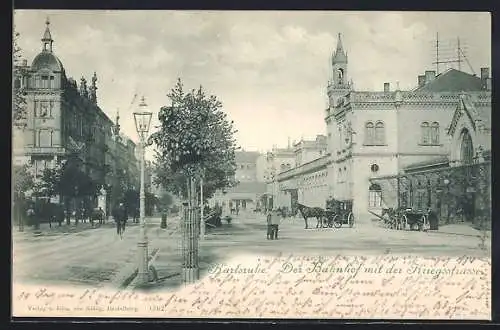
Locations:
(311, 212)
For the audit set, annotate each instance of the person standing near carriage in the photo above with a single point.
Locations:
(275, 222)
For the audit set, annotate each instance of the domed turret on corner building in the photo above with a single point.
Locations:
(61, 119)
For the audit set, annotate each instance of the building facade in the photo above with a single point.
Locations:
(63, 118)
(382, 133)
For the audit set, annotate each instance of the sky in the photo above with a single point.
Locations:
(268, 68)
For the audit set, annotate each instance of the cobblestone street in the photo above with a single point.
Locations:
(98, 257)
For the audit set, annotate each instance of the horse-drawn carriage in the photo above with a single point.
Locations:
(336, 214)
(403, 218)
(339, 213)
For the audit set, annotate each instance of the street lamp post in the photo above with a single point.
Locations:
(142, 121)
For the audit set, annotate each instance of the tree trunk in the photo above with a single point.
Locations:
(190, 270)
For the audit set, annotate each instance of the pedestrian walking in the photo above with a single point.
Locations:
(120, 216)
(30, 213)
(275, 222)
(269, 226)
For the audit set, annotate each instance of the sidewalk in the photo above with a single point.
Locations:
(47, 230)
(463, 229)
(213, 248)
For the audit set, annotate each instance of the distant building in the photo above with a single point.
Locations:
(246, 194)
(307, 181)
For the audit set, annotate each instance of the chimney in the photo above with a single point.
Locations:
(386, 87)
(421, 80)
(25, 62)
(429, 76)
(488, 84)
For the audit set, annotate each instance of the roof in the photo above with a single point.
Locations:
(250, 187)
(340, 56)
(246, 156)
(442, 160)
(47, 60)
(452, 81)
(477, 113)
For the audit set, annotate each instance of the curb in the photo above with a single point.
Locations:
(130, 281)
(456, 234)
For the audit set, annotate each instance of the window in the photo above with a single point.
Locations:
(466, 148)
(375, 196)
(379, 133)
(420, 199)
(51, 107)
(369, 133)
(340, 76)
(45, 138)
(435, 133)
(45, 82)
(425, 133)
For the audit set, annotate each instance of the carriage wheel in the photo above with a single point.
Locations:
(350, 219)
(336, 223)
(422, 224)
(394, 223)
(324, 223)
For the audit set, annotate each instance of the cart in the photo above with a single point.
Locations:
(339, 213)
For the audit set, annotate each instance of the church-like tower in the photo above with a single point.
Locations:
(339, 86)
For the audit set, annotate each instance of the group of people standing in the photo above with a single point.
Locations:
(273, 221)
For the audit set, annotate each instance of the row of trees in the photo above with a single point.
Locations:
(18, 93)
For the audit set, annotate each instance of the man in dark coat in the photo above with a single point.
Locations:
(120, 216)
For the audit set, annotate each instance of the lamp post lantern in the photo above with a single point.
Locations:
(142, 120)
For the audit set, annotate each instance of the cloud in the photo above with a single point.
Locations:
(269, 69)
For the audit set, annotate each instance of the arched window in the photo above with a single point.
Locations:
(340, 76)
(369, 133)
(379, 133)
(466, 148)
(375, 196)
(435, 133)
(425, 132)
